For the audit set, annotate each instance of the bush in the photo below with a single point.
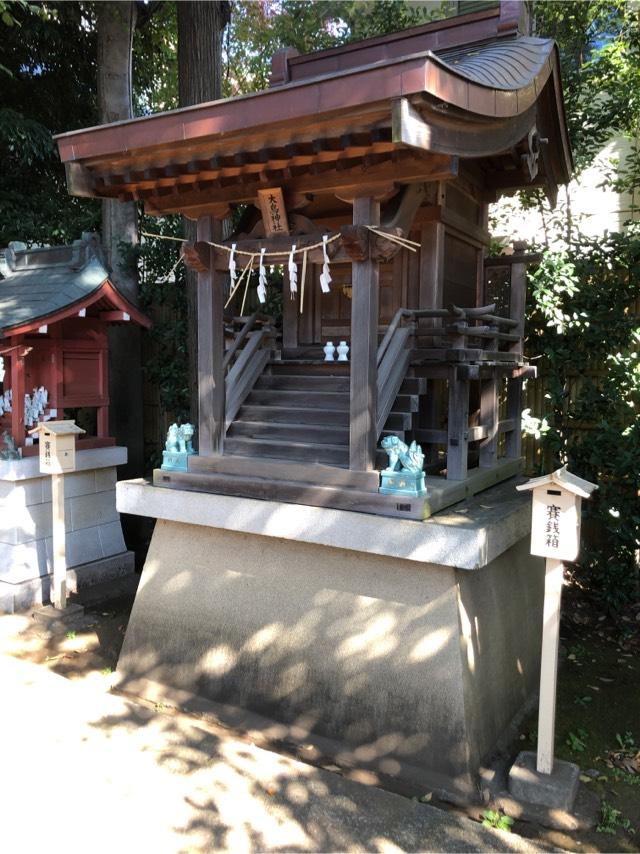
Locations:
(583, 326)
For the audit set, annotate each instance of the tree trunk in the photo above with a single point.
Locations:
(200, 26)
(116, 25)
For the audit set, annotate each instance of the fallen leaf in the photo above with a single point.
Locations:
(584, 778)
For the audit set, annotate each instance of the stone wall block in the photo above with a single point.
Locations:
(111, 538)
(23, 493)
(22, 524)
(105, 479)
(91, 510)
(24, 560)
(79, 483)
(81, 547)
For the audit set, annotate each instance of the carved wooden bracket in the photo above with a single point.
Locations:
(355, 242)
(197, 256)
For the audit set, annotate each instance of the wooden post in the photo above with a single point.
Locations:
(457, 427)
(513, 439)
(431, 270)
(364, 347)
(489, 419)
(517, 301)
(549, 665)
(18, 392)
(211, 390)
(59, 592)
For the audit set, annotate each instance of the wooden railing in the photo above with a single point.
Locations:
(462, 340)
(394, 355)
(245, 360)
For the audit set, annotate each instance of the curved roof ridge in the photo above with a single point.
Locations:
(513, 62)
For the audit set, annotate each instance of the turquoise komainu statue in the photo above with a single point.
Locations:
(178, 447)
(404, 474)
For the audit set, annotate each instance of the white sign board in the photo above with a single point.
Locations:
(555, 523)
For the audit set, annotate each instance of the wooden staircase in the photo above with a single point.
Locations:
(287, 428)
(299, 411)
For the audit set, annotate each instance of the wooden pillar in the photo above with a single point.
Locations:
(364, 347)
(17, 396)
(514, 412)
(211, 391)
(517, 304)
(489, 419)
(457, 427)
(431, 268)
(517, 301)
(431, 295)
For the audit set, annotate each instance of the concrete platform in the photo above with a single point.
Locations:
(406, 648)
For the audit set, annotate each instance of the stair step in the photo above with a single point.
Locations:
(337, 455)
(303, 382)
(290, 432)
(397, 421)
(301, 367)
(302, 399)
(317, 382)
(338, 401)
(289, 470)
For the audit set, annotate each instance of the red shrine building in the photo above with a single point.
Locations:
(56, 304)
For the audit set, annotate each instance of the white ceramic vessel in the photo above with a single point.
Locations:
(329, 351)
(343, 349)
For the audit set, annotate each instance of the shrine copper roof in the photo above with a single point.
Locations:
(43, 285)
(470, 100)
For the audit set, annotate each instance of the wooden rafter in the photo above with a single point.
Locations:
(322, 178)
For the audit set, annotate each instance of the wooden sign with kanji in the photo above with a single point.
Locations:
(274, 213)
(555, 515)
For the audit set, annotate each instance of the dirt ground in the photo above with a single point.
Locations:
(598, 722)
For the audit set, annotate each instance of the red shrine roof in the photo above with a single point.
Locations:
(417, 100)
(46, 285)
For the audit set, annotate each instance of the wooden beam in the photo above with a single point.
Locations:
(115, 316)
(364, 347)
(408, 127)
(211, 387)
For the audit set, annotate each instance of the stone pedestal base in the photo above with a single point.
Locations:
(556, 790)
(95, 548)
(352, 639)
(37, 591)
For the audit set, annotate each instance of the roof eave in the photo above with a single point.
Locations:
(105, 290)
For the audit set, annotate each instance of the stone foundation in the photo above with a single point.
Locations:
(411, 667)
(95, 547)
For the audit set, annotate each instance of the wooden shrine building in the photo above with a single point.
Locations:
(56, 304)
(380, 158)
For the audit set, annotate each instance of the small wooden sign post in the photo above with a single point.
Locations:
(555, 535)
(57, 456)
